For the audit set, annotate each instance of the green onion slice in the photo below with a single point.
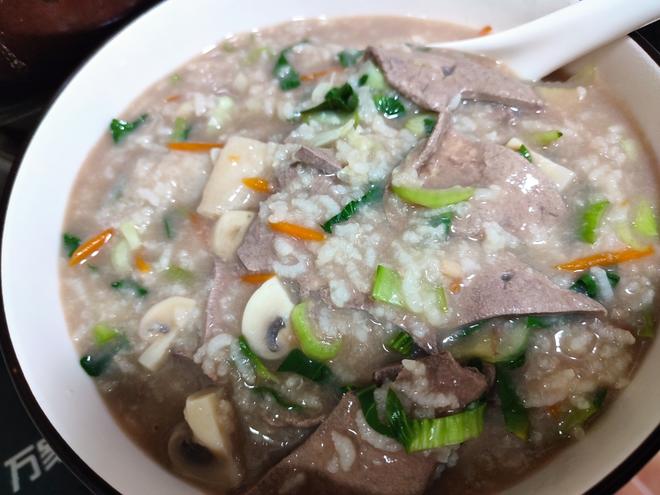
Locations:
(387, 287)
(309, 343)
(591, 218)
(434, 198)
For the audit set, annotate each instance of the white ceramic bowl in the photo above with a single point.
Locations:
(64, 401)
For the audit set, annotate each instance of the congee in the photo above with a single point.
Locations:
(323, 258)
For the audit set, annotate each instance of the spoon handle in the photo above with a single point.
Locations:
(535, 49)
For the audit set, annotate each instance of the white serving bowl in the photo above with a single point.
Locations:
(63, 400)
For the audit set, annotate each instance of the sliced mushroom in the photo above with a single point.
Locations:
(196, 462)
(239, 159)
(229, 231)
(165, 319)
(265, 322)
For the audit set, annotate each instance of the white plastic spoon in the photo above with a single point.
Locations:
(537, 48)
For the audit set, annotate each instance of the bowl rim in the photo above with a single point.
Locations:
(92, 480)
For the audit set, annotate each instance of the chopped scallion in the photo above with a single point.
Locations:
(577, 417)
(645, 221)
(121, 128)
(546, 138)
(387, 287)
(525, 153)
(591, 219)
(309, 343)
(181, 130)
(175, 273)
(434, 198)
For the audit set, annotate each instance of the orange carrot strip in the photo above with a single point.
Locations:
(605, 258)
(313, 76)
(192, 146)
(455, 287)
(173, 98)
(297, 231)
(141, 264)
(256, 278)
(257, 184)
(485, 30)
(91, 247)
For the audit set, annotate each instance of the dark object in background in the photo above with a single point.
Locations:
(43, 41)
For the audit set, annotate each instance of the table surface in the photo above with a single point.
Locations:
(29, 466)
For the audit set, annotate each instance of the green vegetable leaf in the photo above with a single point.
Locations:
(390, 106)
(375, 193)
(515, 414)
(283, 71)
(525, 153)
(297, 362)
(577, 417)
(537, 322)
(181, 129)
(402, 343)
(98, 360)
(370, 411)
(339, 99)
(259, 367)
(120, 128)
(363, 80)
(348, 58)
(71, 243)
(130, 286)
(429, 124)
(446, 218)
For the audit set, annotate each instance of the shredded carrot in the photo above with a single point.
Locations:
(200, 226)
(455, 287)
(485, 30)
(141, 264)
(256, 278)
(91, 247)
(313, 76)
(257, 184)
(193, 146)
(297, 231)
(606, 258)
(173, 98)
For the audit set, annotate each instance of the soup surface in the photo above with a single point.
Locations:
(321, 258)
